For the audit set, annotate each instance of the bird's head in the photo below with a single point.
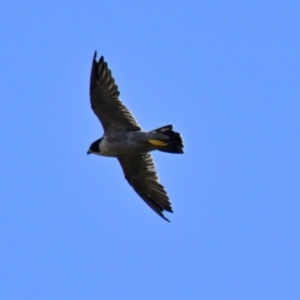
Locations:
(95, 147)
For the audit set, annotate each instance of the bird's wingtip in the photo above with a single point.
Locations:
(162, 215)
(101, 59)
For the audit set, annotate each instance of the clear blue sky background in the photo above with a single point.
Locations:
(226, 75)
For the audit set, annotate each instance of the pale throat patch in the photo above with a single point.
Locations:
(103, 145)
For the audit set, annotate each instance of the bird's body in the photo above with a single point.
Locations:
(124, 139)
(128, 142)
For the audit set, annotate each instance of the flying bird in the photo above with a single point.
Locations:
(124, 139)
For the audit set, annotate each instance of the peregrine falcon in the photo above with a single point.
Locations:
(124, 139)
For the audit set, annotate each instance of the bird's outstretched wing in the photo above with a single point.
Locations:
(139, 170)
(112, 113)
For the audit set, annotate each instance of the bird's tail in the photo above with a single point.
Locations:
(172, 145)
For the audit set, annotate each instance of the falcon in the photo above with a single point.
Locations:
(124, 139)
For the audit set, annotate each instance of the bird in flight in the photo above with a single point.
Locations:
(124, 139)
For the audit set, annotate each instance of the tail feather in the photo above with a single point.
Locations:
(174, 143)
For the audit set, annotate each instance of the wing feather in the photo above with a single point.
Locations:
(104, 93)
(139, 170)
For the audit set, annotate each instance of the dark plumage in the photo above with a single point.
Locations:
(124, 139)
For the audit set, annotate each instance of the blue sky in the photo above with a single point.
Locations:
(226, 75)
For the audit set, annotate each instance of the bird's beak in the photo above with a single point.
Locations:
(89, 151)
